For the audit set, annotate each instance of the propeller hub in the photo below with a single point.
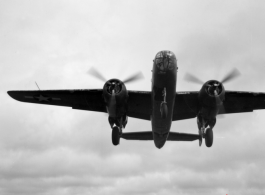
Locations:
(113, 86)
(214, 88)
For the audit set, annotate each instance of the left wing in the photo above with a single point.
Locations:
(139, 102)
(82, 99)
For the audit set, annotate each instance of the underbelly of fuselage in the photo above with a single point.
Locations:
(161, 126)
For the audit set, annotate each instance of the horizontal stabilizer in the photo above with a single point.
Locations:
(145, 135)
(148, 135)
(174, 136)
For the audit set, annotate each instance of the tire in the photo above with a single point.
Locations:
(209, 137)
(115, 136)
(163, 110)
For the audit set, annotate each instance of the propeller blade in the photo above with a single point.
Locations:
(134, 77)
(230, 76)
(192, 78)
(92, 71)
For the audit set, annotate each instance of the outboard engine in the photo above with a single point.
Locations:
(211, 97)
(116, 96)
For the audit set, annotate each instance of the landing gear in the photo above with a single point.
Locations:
(201, 126)
(116, 135)
(209, 137)
(163, 105)
(117, 125)
(201, 134)
(205, 132)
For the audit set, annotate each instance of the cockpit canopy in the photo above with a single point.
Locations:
(165, 60)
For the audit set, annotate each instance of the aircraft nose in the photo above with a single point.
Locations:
(165, 61)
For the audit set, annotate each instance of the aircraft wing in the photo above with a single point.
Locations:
(187, 104)
(139, 105)
(82, 99)
(240, 101)
(139, 102)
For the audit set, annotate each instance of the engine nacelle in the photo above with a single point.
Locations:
(211, 97)
(116, 96)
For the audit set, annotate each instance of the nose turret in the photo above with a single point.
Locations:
(165, 61)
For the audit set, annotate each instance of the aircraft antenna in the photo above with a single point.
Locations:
(37, 85)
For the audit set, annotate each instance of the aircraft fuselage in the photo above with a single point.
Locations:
(164, 80)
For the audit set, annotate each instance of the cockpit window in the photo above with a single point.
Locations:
(164, 60)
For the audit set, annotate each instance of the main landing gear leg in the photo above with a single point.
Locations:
(201, 125)
(201, 134)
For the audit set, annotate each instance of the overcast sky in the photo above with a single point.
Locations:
(49, 150)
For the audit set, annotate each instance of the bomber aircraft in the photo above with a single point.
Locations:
(161, 105)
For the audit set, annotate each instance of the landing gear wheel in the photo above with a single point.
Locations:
(209, 137)
(115, 136)
(163, 110)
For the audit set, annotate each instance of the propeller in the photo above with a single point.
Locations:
(135, 77)
(234, 73)
(229, 77)
(92, 71)
(191, 78)
(113, 86)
